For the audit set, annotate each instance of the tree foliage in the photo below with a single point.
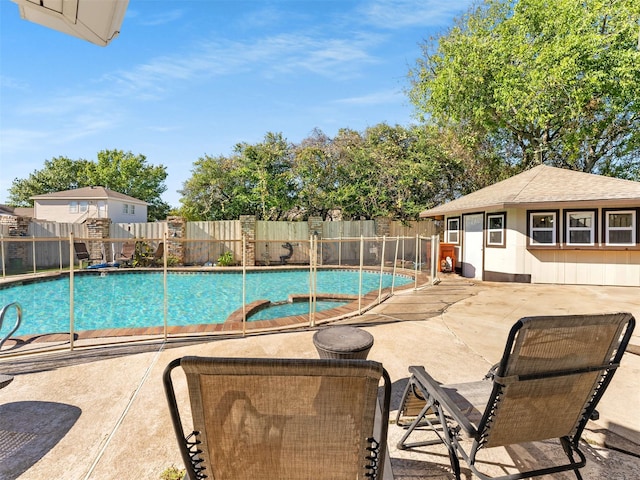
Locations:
(116, 170)
(389, 171)
(555, 82)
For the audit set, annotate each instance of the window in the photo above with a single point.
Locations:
(132, 210)
(453, 230)
(73, 207)
(84, 206)
(125, 208)
(496, 229)
(542, 228)
(581, 228)
(620, 227)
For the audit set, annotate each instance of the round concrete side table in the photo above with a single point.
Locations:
(343, 342)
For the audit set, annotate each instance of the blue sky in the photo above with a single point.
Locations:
(192, 77)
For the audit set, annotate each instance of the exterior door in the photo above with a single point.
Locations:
(472, 246)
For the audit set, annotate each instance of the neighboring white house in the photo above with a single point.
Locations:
(547, 225)
(80, 204)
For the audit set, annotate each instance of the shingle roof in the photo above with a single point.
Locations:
(86, 193)
(6, 210)
(544, 185)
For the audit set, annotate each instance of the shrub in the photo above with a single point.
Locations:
(225, 259)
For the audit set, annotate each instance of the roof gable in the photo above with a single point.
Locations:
(543, 184)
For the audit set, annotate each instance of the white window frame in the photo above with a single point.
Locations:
(84, 206)
(125, 208)
(132, 209)
(632, 228)
(451, 231)
(553, 229)
(73, 207)
(501, 230)
(591, 229)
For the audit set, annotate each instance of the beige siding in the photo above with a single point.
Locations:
(586, 267)
(561, 266)
(58, 211)
(116, 214)
(512, 258)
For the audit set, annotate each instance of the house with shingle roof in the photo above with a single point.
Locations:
(80, 204)
(547, 225)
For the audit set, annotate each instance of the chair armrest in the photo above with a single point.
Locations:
(433, 389)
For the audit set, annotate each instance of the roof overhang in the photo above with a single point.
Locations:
(97, 21)
(439, 213)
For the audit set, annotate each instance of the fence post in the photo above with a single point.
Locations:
(165, 285)
(395, 264)
(384, 242)
(71, 301)
(313, 258)
(417, 262)
(60, 251)
(248, 227)
(360, 276)
(2, 255)
(33, 253)
(244, 284)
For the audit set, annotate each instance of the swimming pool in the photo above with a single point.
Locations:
(119, 299)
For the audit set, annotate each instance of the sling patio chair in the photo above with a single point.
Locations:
(266, 419)
(553, 372)
(82, 254)
(154, 259)
(126, 255)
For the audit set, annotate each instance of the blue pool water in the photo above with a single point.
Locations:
(136, 299)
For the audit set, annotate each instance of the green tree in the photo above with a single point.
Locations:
(58, 174)
(255, 180)
(554, 82)
(265, 169)
(119, 171)
(215, 190)
(315, 174)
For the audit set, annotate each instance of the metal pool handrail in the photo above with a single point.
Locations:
(18, 320)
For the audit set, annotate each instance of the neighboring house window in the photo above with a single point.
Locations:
(125, 208)
(542, 228)
(620, 227)
(132, 210)
(453, 230)
(496, 229)
(581, 228)
(73, 207)
(84, 206)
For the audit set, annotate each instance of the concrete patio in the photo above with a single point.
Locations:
(100, 413)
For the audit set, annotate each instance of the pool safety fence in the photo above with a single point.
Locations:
(411, 256)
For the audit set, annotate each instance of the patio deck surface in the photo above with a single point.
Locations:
(100, 413)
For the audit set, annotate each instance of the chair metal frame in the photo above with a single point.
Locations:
(446, 412)
(192, 444)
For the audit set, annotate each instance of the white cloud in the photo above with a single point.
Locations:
(161, 18)
(376, 98)
(395, 14)
(270, 56)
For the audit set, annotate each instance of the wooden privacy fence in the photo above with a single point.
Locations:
(44, 245)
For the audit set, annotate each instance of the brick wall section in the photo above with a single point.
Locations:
(17, 251)
(383, 226)
(315, 225)
(176, 232)
(97, 230)
(248, 227)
